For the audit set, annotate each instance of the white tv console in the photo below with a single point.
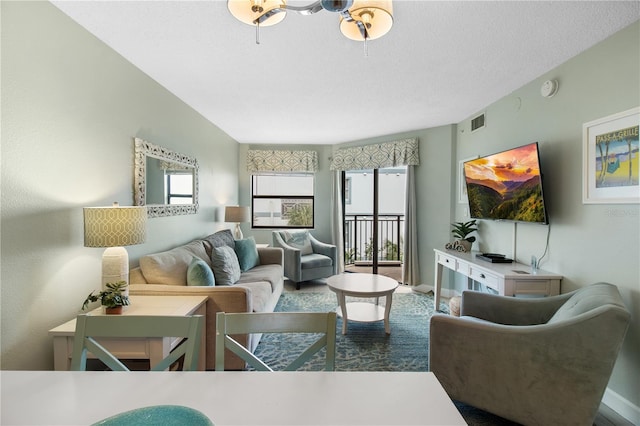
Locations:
(508, 279)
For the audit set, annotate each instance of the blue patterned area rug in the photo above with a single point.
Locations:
(366, 346)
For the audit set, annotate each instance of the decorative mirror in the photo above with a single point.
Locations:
(165, 181)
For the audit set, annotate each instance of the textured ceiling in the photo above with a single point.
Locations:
(306, 83)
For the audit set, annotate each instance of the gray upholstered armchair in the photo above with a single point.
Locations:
(534, 361)
(305, 258)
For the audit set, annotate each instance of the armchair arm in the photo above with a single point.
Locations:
(510, 310)
(292, 261)
(323, 248)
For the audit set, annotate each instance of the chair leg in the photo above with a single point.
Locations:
(297, 286)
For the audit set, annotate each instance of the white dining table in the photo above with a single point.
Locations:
(229, 398)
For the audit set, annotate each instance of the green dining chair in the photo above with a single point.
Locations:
(228, 324)
(93, 329)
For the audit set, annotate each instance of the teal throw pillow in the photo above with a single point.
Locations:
(200, 274)
(247, 253)
(224, 263)
(299, 240)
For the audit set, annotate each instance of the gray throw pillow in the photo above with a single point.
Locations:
(224, 263)
(200, 274)
(219, 239)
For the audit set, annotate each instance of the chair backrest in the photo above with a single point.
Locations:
(323, 323)
(91, 328)
(595, 296)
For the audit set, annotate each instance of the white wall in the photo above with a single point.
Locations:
(70, 109)
(588, 243)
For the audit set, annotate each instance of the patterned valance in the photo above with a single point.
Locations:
(281, 161)
(388, 154)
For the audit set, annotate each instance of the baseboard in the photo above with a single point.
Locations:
(622, 406)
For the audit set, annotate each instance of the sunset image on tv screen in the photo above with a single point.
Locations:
(506, 186)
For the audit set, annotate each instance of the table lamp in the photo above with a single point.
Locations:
(114, 227)
(236, 214)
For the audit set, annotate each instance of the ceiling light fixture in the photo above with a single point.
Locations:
(360, 20)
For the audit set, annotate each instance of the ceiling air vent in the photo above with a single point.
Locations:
(477, 123)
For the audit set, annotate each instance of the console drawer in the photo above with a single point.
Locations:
(542, 287)
(484, 277)
(448, 261)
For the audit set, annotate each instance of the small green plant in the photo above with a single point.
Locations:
(462, 229)
(111, 297)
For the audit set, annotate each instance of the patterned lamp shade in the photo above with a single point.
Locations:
(114, 226)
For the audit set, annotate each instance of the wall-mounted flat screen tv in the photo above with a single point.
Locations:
(507, 186)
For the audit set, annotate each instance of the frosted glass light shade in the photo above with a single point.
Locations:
(378, 15)
(114, 226)
(248, 11)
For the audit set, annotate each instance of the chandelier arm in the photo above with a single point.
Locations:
(306, 10)
(346, 15)
(268, 14)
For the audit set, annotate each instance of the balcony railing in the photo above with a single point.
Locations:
(359, 238)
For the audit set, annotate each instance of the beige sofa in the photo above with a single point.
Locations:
(257, 290)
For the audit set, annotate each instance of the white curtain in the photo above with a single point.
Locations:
(336, 219)
(411, 264)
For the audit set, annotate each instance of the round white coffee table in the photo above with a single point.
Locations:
(363, 285)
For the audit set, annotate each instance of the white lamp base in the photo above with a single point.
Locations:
(115, 266)
(237, 234)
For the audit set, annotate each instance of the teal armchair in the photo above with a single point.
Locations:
(305, 257)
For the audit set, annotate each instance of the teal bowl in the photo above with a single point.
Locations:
(158, 415)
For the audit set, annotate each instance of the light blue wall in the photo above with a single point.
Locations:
(588, 243)
(70, 110)
(71, 107)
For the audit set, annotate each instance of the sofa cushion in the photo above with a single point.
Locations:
(247, 253)
(299, 240)
(170, 267)
(219, 239)
(224, 263)
(315, 261)
(269, 273)
(260, 294)
(200, 274)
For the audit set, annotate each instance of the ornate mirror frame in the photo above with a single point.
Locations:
(144, 149)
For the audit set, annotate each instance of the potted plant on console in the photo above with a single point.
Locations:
(461, 230)
(113, 297)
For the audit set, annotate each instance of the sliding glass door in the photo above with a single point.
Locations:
(374, 202)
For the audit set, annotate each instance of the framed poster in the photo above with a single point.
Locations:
(610, 159)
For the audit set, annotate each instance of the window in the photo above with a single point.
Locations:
(179, 187)
(283, 200)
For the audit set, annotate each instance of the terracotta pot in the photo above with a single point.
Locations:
(114, 311)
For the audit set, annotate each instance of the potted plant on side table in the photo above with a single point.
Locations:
(113, 298)
(461, 230)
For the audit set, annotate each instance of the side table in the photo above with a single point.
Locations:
(153, 348)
